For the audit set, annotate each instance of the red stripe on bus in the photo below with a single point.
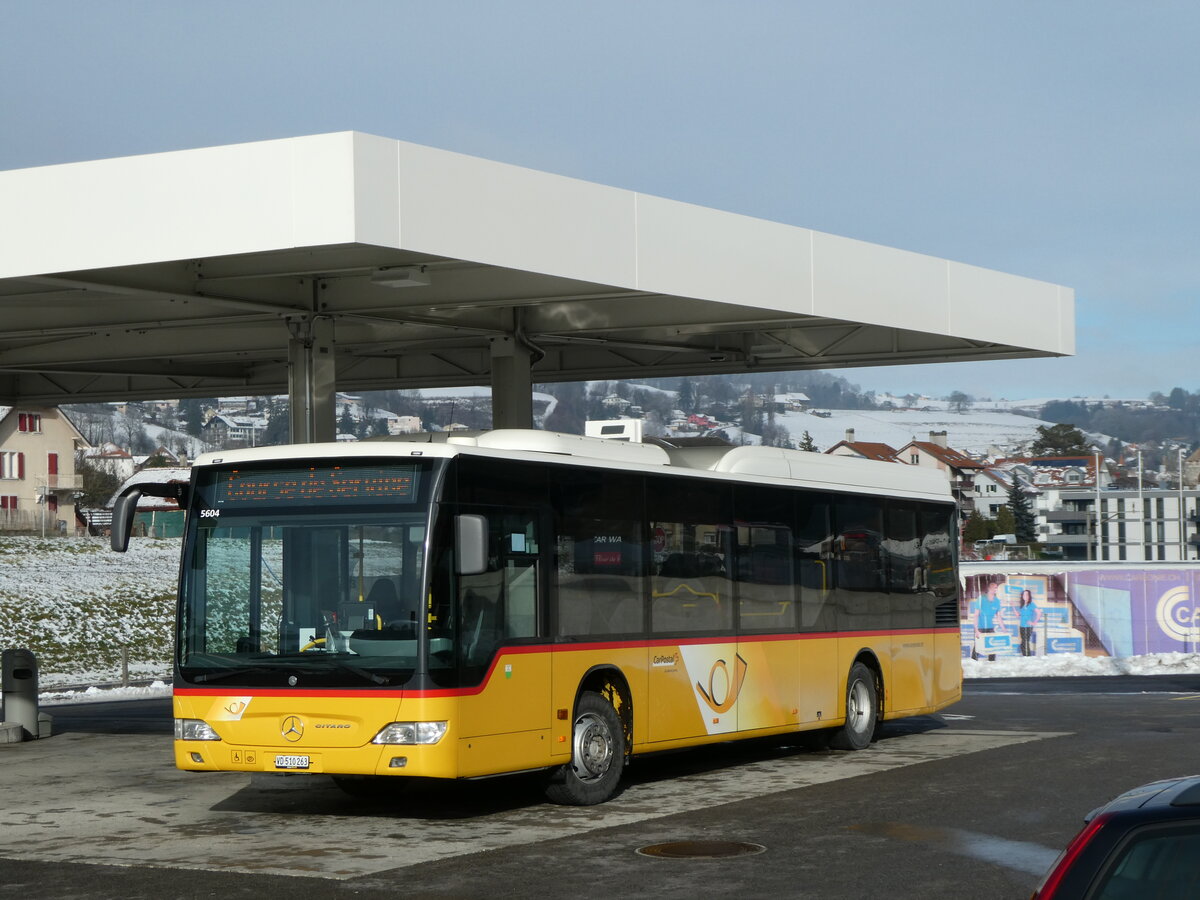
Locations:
(542, 648)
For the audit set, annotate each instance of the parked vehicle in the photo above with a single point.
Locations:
(1145, 843)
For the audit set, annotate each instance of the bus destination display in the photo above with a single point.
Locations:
(319, 484)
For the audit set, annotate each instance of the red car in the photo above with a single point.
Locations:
(1145, 844)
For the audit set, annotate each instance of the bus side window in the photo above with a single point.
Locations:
(599, 554)
(938, 561)
(906, 577)
(862, 600)
(764, 568)
(692, 590)
(814, 565)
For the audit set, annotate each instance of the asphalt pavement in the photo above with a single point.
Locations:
(973, 802)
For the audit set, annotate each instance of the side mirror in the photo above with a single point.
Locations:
(470, 544)
(124, 511)
(125, 508)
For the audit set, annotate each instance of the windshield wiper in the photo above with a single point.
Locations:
(317, 663)
(231, 673)
(361, 672)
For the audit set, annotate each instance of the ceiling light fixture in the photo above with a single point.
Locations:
(401, 276)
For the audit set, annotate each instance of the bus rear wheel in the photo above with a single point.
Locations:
(597, 755)
(862, 711)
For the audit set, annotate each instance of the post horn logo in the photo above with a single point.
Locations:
(292, 729)
(722, 690)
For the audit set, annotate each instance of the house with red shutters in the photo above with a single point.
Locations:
(38, 482)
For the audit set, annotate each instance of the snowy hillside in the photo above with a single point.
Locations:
(974, 433)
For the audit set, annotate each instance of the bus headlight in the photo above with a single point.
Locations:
(410, 733)
(194, 730)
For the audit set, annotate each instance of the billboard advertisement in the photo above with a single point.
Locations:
(1116, 611)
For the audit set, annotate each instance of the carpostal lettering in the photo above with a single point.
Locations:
(665, 660)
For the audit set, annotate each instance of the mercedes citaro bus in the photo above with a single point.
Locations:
(468, 605)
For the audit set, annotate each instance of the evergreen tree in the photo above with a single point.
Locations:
(1024, 522)
(1060, 440)
(1005, 523)
(807, 443)
(975, 528)
(278, 424)
(687, 395)
(572, 408)
(751, 419)
(99, 484)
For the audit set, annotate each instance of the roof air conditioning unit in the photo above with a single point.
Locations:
(615, 430)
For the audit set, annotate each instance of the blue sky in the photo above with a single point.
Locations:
(1059, 141)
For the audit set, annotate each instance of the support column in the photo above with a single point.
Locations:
(311, 381)
(512, 384)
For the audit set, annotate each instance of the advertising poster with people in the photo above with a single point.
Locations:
(1118, 612)
(1020, 615)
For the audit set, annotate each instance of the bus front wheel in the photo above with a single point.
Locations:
(862, 711)
(597, 755)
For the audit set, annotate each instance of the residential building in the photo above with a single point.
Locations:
(863, 449)
(38, 482)
(959, 468)
(1135, 526)
(989, 492)
(230, 431)
(110, 458)
(403, 424)
(1191, 470)
(794, 402)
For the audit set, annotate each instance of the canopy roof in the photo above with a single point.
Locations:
(186, 274)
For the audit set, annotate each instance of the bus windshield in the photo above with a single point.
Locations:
(310, 577)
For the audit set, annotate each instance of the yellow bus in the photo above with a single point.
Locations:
(469, 605)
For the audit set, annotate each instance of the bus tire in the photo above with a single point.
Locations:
(862, 711)
(597, 755)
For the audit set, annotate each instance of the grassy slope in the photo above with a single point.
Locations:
(76, 604)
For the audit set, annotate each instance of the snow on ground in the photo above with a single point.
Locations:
(973, 433)
(1076, 664)
(104, 694)
(87, 613)
(171, 439)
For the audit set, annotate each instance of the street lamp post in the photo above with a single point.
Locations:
(1097, 478)
(1142, 506)
(1182, 521)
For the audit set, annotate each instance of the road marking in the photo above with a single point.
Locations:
(1189, 697)
(1021, 856)
(116, 799)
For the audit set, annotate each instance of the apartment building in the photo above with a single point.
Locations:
(1134, 526)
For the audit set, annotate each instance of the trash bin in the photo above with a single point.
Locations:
(19, 685)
